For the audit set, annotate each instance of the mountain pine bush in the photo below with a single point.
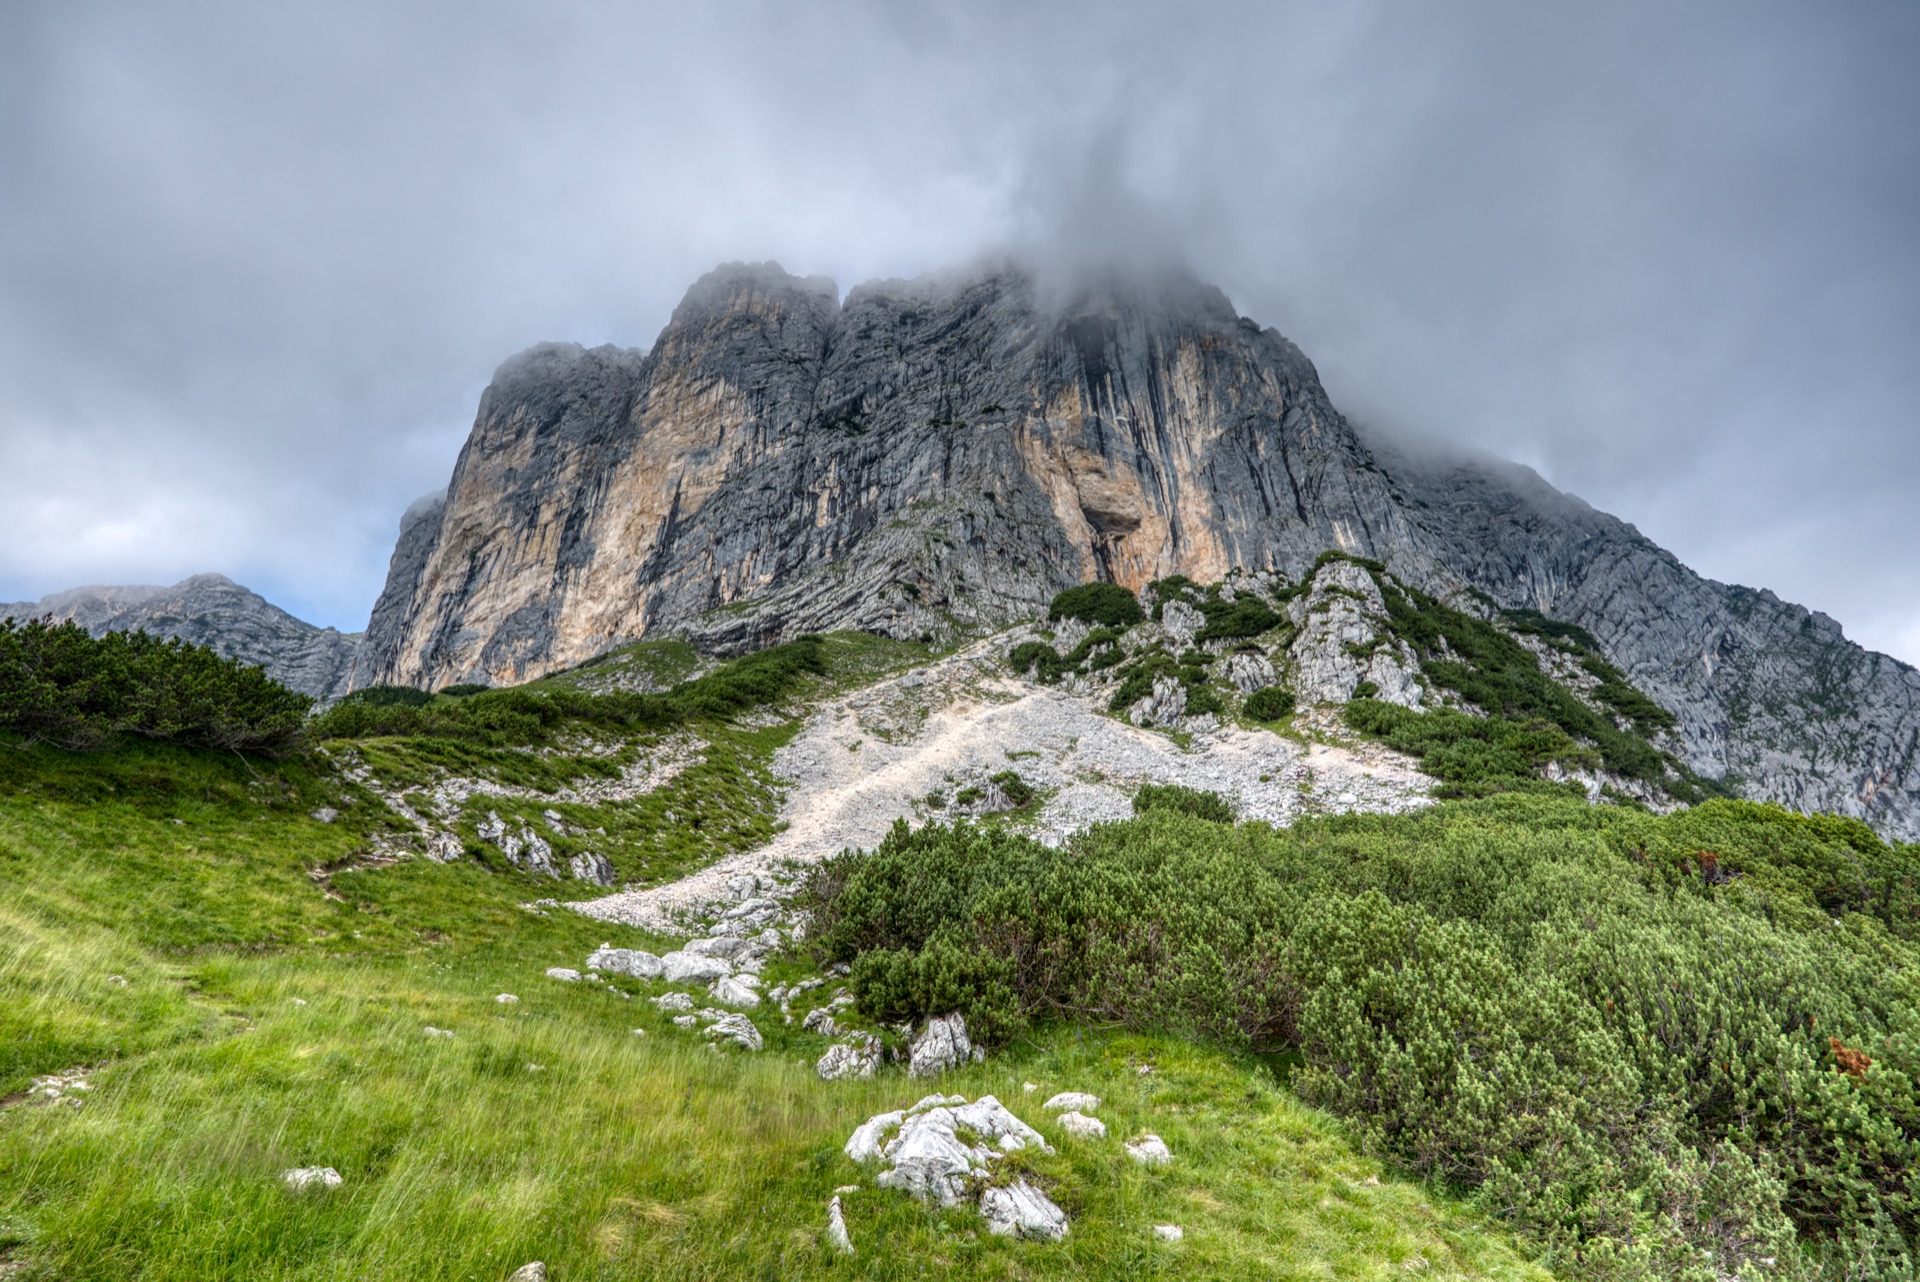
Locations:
(62, 686)
(1679, 1046)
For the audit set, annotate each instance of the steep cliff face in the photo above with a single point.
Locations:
(948, 452)
(212, 610)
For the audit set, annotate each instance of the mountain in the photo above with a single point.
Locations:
(946, 453)
(212, 610)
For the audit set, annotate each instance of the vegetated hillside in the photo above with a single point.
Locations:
(1518, 702)
(211, 974)
(214, 611)
(940, 456)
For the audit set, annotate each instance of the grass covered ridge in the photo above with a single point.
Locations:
(202, 880)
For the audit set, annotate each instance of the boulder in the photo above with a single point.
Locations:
(1019, 1209)
(625, 961)
(737, 1029)
(568, 974)
(942, 1045)
(505, 999)
(723, 946)
(988, 1118)
(1077, 1101)
(674, 1001)
(692, 968)
(850, 1059)
(820, 1020)
(531, 1272)
(590, 867)
(929, 1160)
(735, 991)
(1080, 1126)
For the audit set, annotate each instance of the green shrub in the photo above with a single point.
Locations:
(1105, 604)
(1181, 799)
(390, 697)
(522, 716)
(60, 685)
(1270, 703)
(1642, 1038)
(1017, 790)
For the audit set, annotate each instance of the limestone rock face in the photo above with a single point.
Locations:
(946, 453)
(1342, 639)
(214, 611)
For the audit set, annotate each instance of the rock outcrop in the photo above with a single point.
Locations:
(944, 454)
(214, 611)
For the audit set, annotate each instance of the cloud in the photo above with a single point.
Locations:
(256, 263)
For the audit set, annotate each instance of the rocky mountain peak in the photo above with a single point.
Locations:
(940, 456)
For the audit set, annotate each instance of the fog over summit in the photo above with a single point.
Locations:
(255, 267)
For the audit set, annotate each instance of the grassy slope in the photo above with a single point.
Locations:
(624, 1156)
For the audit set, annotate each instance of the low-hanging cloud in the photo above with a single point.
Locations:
(256, 263)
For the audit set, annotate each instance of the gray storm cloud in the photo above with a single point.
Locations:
(256, 262)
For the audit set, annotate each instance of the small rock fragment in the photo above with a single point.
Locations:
(687, 1021)
(1075, 1101)
(532, 1272)
(438, 1032)
(118, 981)
(303, 1177)
(1083, 1127)
(1150, 1150)
(563, 973)
(326, 814)
(1169, 1232)
(1023, 1210)
(820, 1020)
(674, 1001)
(837, 1228)
(505, 999)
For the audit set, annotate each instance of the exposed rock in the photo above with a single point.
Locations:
(1250, 672)
(1149, 1150)
(837, 1228)
(1075, 1101)
(531, 1272)
(1182, 623)
(1341, 639)
(625, 961)
(1021, 1209)
(930, 1161)
(431, 1031)
(859, 1056)
(942, 1045)
(566, 973)
(326, 814)
(445, 847)
(1169, 1232)
(865, 1143)
(1164, 707)
(820, 1020)
(505, 999)
(306, 1177)
(737, 1029)
(590, 867)
(1080, 1126)
(735, 991)
(214, 611)
(723, 946)
(674, 1001)
(691, 968)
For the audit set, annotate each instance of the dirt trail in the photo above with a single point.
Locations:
(874, 755)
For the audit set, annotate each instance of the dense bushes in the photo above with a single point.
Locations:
(1106, 605)
(1182, 800)
(1270, 703)
(518, 716)
(1676, 1046)
(60, 685)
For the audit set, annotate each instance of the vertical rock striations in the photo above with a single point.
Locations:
(946, 453)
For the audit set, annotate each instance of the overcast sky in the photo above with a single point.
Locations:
(258, 261)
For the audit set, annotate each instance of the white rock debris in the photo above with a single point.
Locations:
(1077, 1101)
(674, 1001)
(859, 1056)
(942, 1045)
(1080, 1126)
(927, 1157)
(305, 1177)
(625, 961)
(737, 1029)
(533, 1271)
(567, 974)
(1149, 1150)
(1169, 1232)
(837, 1228)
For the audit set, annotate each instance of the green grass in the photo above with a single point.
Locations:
(202, 881)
